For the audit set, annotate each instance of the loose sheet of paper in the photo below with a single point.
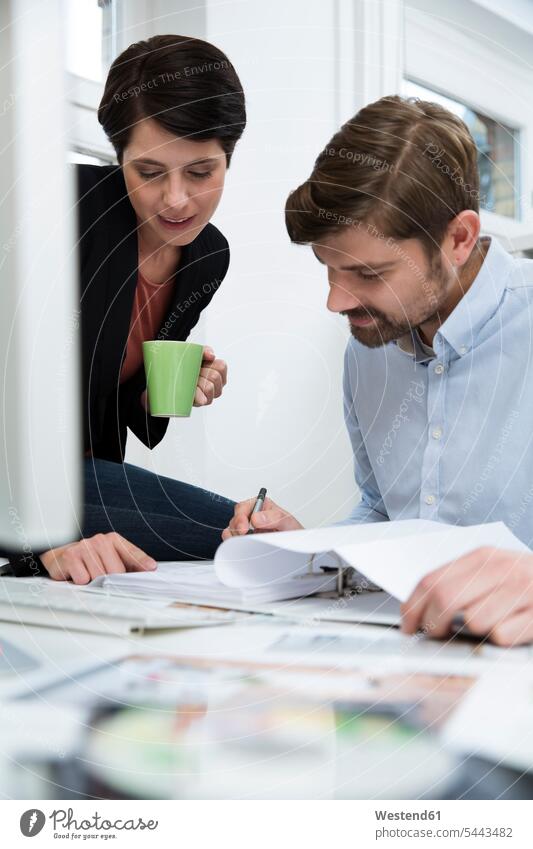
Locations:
(251, 560)
(398, 565)
(393, 555)
(494, 721)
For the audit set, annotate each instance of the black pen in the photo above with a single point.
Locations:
(259, 502)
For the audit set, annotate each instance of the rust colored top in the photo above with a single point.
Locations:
(150, 306)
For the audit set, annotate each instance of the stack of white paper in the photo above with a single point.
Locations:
(263, 568)
(198, 583)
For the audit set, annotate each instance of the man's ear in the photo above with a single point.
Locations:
(461, 237)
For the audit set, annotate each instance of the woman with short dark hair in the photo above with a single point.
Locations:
(150, 262)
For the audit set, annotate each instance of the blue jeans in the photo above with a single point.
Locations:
(168, 519)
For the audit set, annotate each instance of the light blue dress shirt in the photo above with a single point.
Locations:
(447, 433)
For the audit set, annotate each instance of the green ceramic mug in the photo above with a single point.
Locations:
(172, 370)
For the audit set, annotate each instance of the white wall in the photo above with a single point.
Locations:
(279, 422)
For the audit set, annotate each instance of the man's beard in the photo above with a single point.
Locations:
(386, 329)
(380, 332)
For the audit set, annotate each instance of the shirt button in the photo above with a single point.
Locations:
(437, 433)
(463, 349)
(439, 368)
(430, 499)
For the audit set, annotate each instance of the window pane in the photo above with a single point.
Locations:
(85, 22)
(497, 146)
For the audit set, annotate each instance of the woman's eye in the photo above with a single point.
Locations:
(370, 276)
(201, 175)
(149, 175)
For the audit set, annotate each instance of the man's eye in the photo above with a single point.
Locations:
(149, 175)
(370, 276)
(201, 175)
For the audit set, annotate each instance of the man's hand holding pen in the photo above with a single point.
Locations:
(269, 518)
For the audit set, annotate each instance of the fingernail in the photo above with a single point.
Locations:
(149, 563)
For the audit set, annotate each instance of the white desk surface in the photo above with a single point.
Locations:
(62, 653)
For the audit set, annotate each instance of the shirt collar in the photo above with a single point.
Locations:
(412, 345)
(480, 302)
(474, 309)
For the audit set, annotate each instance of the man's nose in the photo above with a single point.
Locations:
(342, 298)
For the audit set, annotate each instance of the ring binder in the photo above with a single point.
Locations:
(343, 572)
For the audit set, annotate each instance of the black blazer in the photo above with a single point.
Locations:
(108, 266)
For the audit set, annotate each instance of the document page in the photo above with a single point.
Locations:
(393, 555)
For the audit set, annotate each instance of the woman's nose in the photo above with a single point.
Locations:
(175, 194)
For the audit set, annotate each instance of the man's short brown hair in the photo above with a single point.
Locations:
(405, 165)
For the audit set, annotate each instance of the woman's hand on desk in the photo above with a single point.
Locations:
(490, 588)
(270, 518)
(101, 554)
(212, 379)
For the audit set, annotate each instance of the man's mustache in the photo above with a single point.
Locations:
(363, 313)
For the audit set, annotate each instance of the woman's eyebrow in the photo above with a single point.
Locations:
(143, 160)
(207, 159)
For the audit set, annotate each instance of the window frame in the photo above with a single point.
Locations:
(516, 145)
(133, 21)
(426, 40)
(86, 135)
